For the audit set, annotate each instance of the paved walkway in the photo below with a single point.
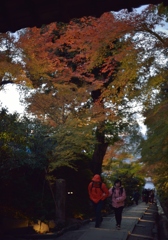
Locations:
(138, 222)
(132, 217)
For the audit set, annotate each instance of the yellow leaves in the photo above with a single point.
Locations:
(35, 55)
(155, 81)
(5, 136)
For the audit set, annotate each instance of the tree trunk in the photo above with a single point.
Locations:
(99, 152)
(101, 146)
(60, 199)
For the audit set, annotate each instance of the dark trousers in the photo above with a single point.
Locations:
(118, 215)
(98, 207)
(147, 199)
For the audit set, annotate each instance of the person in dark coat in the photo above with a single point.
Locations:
(136, 197)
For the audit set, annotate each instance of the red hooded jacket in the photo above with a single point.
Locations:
(97, 189)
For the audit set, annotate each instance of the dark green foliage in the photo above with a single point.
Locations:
(163, 10)
(26, 195)
(13, 141)
(130, 176)
(154, 148)
(77, 204)
(24, 175)
(24, 150)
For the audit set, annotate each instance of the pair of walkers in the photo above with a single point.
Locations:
(98, 192)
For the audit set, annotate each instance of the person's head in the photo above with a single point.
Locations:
(117, 183)
(96, 178)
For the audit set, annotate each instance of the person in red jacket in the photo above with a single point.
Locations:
(98, 192)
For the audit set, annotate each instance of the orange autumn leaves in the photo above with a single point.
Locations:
(88, 49)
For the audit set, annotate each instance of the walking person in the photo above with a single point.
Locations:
(98, 192)
(151, 196)
(146, 196)
(136, 196)
(118, 195)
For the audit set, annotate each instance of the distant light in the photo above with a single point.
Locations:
(70, 193)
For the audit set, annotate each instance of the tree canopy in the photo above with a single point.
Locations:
(87, 75)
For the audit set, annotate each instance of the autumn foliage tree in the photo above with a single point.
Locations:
(87, 55)
(10, 67)
(84, 73)
(102, 57)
